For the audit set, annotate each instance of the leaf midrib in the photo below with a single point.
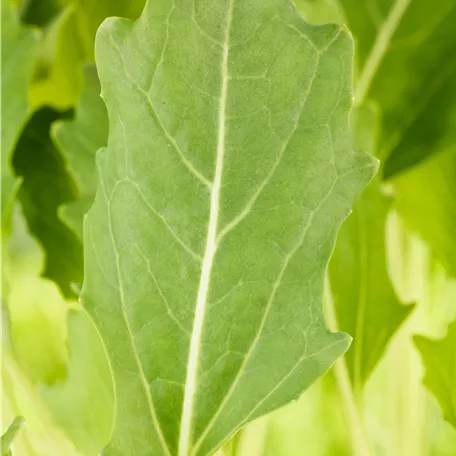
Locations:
(209, 253)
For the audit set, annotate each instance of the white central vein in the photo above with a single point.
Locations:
(209, 254)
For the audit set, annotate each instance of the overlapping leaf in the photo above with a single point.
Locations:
(36, 310)
(46, 185)
(18, 56)
(68, 44)
(414, 40)
(40, 12)
(19, 396)
(365, 302)
(439, 358)
(62, 373)
(426, 199)
(228, 171)
(78, 141)
(83, 405)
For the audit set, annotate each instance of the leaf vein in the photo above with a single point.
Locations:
(265, 317)
(156, 117)
(165, 222)
(141, 373)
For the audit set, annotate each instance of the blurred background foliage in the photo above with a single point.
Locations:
(391, 281)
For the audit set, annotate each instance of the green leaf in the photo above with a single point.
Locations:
(67, 367)
(68, 44)
(439, 358)
(420, 53)
(365, 303)
(10, 434)
(78, 141)
(46, 186)
(57, 78)
(228, 172)
(40, 12)
(18, 56)
(415, 42)
(425, 197)
(418, 111)
(89, 15)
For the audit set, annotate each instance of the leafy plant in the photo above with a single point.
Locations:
(200, 203)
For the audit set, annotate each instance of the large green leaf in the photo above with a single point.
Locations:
(439, 358)
(47, 185)
(18, 55)
(78, 141)
(228, 171)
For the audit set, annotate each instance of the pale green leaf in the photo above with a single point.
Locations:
(439, 358)
(78, 141)
(66, 369)
(57, 78)
(83, 405)
(20, 397)
(10, 434)
(304, 427)
(18, 55)
(228, 171)
(37, 311)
